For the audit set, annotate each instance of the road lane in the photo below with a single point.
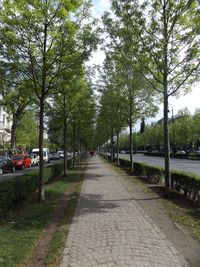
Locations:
(192, 166)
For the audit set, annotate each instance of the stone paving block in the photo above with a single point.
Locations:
(109, 228)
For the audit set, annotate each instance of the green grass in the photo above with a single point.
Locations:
(21, 228)
(18, 233)
(186, 213)
(55, 253)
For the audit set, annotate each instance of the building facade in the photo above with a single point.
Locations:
(5, 127)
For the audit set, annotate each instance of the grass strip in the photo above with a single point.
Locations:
(21, 227)
(55, 253)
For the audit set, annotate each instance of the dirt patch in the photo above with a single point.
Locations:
(40, 252)
(63, 205)
(150, 197)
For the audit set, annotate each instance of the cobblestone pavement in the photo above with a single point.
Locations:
(111, 229)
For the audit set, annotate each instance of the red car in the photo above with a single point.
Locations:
(21, 161)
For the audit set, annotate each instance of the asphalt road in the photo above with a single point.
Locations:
(10, 175)
(192, 166)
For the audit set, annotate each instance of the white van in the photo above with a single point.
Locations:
(45, 154)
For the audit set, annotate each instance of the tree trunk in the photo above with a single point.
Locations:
(107, 149)
(167, 149)
(131, 145)
(117, 148)
(74, 143)
(78, 147)
(13, 132)
(41, 167)
(131, 132)
(65, 141)
(166, 125)
(41, 130)
(111, 154)
(65, 137)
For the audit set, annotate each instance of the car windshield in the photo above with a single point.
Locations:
(36, 153)
(17, 157)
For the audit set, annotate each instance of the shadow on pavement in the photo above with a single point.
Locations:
(92, 203)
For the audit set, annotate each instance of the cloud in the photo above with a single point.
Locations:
(99, 7)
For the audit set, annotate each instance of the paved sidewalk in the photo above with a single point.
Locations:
(111, 229)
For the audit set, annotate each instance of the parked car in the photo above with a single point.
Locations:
(54, 156)
(45, 154)
(61, 154)
(34, 159)
(21, 161)
(181, 152)
(6, 165)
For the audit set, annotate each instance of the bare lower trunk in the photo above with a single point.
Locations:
(41, 167)
(117, 148)
(112, 155)
(13, 133)
(78, 148)
(65, 147)
(107, 149)
(74, 144)
(131, 146)
(167, 150)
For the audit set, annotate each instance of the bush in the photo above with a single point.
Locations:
(180, 156)
(155, 174)
(20, 187)
(194, 156)
(124, 163)
(187, 183)
(155, 154)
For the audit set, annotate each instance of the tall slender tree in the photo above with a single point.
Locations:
(163, 38)
(36, 34)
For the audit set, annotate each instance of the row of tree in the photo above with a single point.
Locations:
(152, 52)
(184, 131)
(43, 49)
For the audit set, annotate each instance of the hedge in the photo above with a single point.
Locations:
(194, 156)
(186, 183)
(20, 187)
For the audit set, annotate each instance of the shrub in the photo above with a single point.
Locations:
(194, 156)
(124, 162)
(188, 183)
(155, 154)
(20, 187)
(155, 174)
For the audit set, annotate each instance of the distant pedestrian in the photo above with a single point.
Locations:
(91, 153)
